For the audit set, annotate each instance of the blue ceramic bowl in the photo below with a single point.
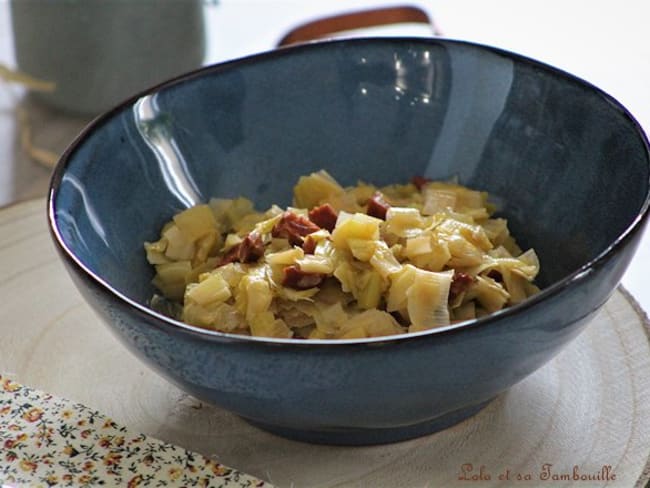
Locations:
(570, 165)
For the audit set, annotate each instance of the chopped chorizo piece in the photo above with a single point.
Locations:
(459, 284)
(324, 216)
(496, 275)
(247, 251)
(293, 227)
(231, 256)
(251, 248)
(300, 280)
(309, 245)
(378, 206)
(419, 181)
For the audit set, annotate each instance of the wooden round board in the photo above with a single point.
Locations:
(585, 415)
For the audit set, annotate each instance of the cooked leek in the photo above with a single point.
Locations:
(438, 257)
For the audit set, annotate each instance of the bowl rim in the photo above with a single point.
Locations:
(172, 325)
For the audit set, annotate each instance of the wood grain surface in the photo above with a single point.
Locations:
(587, 412)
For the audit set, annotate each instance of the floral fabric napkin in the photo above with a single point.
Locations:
(47, 441)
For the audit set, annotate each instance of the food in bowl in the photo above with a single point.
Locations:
(341, 263)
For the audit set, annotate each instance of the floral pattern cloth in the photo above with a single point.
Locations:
(47, 441)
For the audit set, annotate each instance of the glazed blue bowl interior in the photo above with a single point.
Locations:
(555, 152)
(566, 163)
